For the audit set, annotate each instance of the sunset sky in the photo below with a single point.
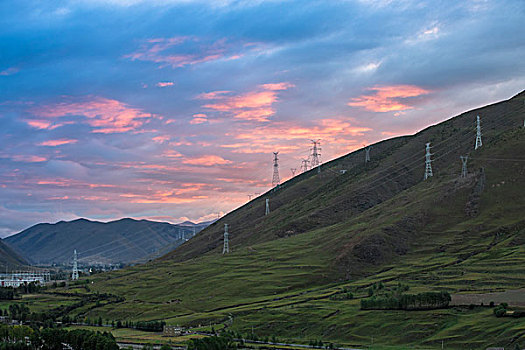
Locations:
(170, 110)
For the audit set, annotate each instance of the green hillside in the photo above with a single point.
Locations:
(9, 259)
(377, 222)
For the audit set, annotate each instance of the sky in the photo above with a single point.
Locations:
(170, 110)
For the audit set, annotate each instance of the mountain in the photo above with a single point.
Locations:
(365, 228)
(121, 241)
(9, 259)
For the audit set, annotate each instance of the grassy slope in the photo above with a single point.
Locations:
(9, 258)
(401, 230)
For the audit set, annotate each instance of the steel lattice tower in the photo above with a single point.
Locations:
(275, 179)
(428, 162)
(74, 275)
(304, 165)
(293, 170)
(367, 154)
(316, 153)
(464, 160)
(267, 207)
(478, 134)
(226, 247)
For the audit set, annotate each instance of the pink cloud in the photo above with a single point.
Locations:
(199, 119)
(45, 124)
(161, 138)
(252, 106)
(277, 86)
(160, 50)
(164, 84)
(388, 98)
(28, 158)
(208, 160)
(59, 142)
(289, 137)
(104, 115)
(181, 51)
(9, 71)
(171, 154)
(212, 95)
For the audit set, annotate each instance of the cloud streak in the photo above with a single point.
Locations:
(389, 98)
(254, 105)
(105, 115)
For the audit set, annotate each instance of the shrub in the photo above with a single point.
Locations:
(499, 311)
(422, 301)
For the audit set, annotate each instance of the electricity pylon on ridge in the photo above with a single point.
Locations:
(275, 179)
(367, 154)
(293, 170)
(464, 160)
(304, 165)
(428, 162)
(316, 153)
(478, 134)
(226, 246)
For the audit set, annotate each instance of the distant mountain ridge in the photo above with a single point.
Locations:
(121, 241)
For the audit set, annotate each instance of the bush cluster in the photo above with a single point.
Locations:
(421, 301)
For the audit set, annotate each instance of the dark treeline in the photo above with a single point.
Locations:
(16, 337)
(223, 342)
(78, 339)
(10, 293)
(150, 326)
(422, 301)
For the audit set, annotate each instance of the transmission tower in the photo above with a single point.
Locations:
(478, 134)
(304, 165)
(275, 179)
(293, 170)
(226, 247)
(250, 197)
(428, 163)
(464, 160)
(74, 275)
(267, 207)
(367, 154)
(316, 153)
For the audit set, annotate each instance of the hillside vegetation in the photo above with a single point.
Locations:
(10, 259)
(121, 241)
(377, 223)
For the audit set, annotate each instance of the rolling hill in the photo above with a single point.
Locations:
(9, 259)
(334, 231)
(121, 241)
